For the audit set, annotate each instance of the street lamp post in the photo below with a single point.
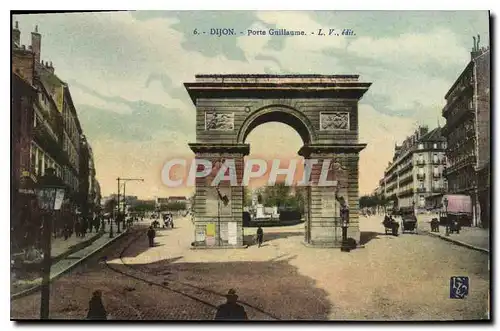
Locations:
(445, 202)
(117, 217)
(344, 216)
(225, 200)
(50, 193)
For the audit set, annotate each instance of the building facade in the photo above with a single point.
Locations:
(467, 131)
(89, 189)
(46, 130)
(414, 178)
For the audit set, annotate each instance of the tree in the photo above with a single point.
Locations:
(173, 206)
(142, 207)
(110, 206)
(247, 196)
(276, 195)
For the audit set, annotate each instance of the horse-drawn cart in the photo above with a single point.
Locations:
(390, 226)
(409, 223)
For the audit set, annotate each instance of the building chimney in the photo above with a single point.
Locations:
(423, 130)
(50, 67)
(476, 51)
(36, 44)
(16, 35)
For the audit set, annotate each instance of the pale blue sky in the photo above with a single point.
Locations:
(126, 70)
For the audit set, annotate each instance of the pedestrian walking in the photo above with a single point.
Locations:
(66, 231)
(78, 228)
(84, 227)
(151, 236)
(260, 236)
(231, 310)
(97, 224)
(96, 307)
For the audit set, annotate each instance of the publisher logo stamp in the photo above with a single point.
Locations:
(459, 287)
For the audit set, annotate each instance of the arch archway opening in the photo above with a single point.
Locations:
(278, 208)
(280, 116)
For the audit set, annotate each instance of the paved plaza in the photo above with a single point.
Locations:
(391, 278)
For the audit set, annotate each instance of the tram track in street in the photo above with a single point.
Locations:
(163, 286)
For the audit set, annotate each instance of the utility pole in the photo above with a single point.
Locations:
(118, 208)
(124, 180)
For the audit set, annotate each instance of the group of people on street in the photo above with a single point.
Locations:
(82, 226)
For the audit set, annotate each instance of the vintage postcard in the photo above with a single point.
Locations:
(251, 165)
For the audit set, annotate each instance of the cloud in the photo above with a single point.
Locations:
(412, 49)
(126, 72)
(380, 133)
(83, 96)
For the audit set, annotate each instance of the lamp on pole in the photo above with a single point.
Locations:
(344, 216)
(50, 193)
(445, 203)
(225, 200)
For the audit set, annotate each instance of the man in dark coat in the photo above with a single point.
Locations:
(260, 236)
(231, 310)
(96, 307)
(151, 236)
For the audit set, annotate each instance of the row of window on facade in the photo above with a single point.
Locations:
(434, 145)
(459, 157)
(435, 158)
(40, 161)
(70, 125)
(435, 171)
(466, 103)
(44, 102)
(461, 131)
(70, 151)
(436, 183)
(462, 180)
(38, 120)
(68, 148)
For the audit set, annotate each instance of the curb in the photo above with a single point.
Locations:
(37, 287)
(328, 246)
(217, 247)
(459, 243)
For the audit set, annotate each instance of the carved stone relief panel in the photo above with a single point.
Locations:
(217, 121)
(332, 121)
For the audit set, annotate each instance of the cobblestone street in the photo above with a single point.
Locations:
(392, 278)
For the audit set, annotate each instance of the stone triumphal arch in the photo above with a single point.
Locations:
(323, 109)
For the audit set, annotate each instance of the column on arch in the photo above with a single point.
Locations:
(322, 218)
(350, 162)
(218, 224)
(341, 179)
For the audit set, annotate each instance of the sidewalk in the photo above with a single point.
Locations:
(61, 246)
(471, 237)
(65, 257)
